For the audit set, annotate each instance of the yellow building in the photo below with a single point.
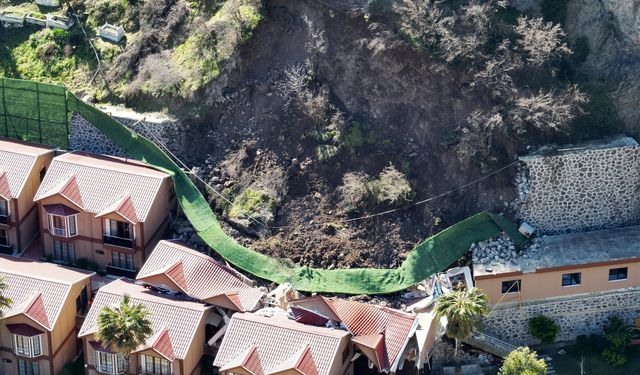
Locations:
(175, 347)
(565, 265)
(104, 209)
(38, 332)
(22, 168)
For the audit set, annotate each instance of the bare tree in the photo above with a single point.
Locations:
(541, 41)
(382, 40)
(496, 72)
(547, 110)
(353, 192)
(423, 22)
(477, 133)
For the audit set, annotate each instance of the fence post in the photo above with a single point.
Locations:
(66, 115)
(38, 107)
(4, 106)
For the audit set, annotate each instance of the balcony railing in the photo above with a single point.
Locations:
(118, 241)
(5, 219)
(60, 232)
(117, 271)
(6, 249)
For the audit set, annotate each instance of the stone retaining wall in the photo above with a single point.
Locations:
(576, 315)
(595, 187)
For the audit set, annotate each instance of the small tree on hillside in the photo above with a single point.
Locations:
(124, 328)
(541, 41)
(523, 361)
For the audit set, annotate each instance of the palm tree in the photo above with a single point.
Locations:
(463, 310)
(124, 328)
(5, 302)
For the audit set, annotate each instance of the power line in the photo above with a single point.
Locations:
(346, 221)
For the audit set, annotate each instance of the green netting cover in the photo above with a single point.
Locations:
(432, 255)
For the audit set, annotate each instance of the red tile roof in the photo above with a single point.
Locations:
(161, 344)
(5, 189)
(302, 362)
(280, 344)
(180, 318)
(38, 290)
(102, 179)
(305, 316)
(59, 209)
(97, 346)
(18, 159)
(249, 361)
(199, 276)
(365, 322)
(124, 208)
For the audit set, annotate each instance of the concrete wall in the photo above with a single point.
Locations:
(547, 283)
(595, 187)
(576, 315)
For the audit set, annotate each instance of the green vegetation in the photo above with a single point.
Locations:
(123, 328)
(464, 310)
(618, 337)
(5, 303)
(523, 361)
(249, 203)
(588, 350)
(543, 328)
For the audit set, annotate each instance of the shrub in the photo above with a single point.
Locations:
(391, 187)
(87, 264)
(251, 203)
(543, 328)
(326, 152)
(523, 361)
(614, 357)
(353, 192)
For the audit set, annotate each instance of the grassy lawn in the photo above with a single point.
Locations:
(569, 364)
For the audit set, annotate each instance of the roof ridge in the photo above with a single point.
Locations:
(112, 169)
(68, 283)
(280, 323)
(204, 307)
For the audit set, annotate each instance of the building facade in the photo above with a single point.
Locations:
(38, 332)
(106, 210)
(22, 168)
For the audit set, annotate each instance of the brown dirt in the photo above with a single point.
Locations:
(400, 96)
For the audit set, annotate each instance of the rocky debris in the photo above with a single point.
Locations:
(498, 250)
(182, 229)
(522, 182)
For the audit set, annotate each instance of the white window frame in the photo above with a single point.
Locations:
(32, 343)
(107, 229)
(8, 207)
(66, 232)
(143, 365)
(117, 363)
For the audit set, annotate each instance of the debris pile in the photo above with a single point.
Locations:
(498, 250)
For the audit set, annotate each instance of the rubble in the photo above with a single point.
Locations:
(498, 250)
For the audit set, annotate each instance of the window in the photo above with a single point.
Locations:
(28, 368)
(154, 365)
(122, 260)
(4, 237)
(616, 274)
(63, 226)
(64, 251)
(569, 279)
(119, 229)
(27, 346)
(4, 207)
(511, 286)
(108, 363)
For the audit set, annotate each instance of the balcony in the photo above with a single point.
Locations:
(118, 241)
(5, 219)
(117, 271)
(6, 249)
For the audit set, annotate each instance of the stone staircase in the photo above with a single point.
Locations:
(490, 344)
(498, 347)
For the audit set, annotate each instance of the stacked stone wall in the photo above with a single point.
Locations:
(580, 191)
(576, 315)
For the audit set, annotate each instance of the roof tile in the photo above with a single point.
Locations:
(204, 278)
